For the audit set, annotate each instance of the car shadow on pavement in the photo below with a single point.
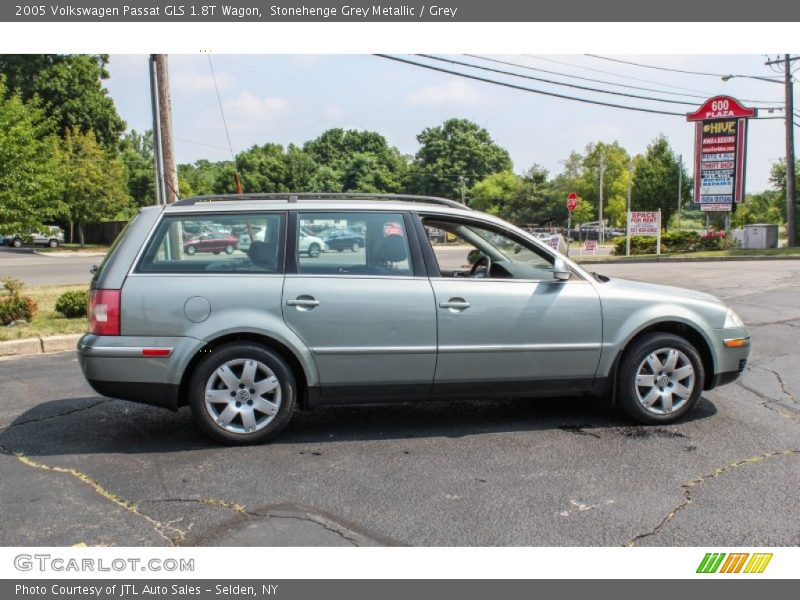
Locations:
(96, 425)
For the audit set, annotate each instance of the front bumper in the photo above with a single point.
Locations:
(729, 361)
(130, 367)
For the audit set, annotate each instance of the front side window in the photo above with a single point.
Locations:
(219, 243)
(471, 250)
(353, 243)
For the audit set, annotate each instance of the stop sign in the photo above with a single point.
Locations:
(572, 202)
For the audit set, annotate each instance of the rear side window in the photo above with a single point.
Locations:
(353, 243)
(219, 243)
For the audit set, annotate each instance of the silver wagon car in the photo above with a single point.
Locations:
(246, 337)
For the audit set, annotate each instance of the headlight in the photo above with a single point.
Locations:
(732, 320)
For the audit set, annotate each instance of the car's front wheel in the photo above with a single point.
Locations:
(53, 243)
(242, 393)
(660, 378)
(191, 250)
(356, 247)
(17, 243)
(229, 249)
(313, 250)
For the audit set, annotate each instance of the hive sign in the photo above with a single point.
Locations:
(719, 151)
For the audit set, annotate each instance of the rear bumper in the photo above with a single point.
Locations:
(119, 367)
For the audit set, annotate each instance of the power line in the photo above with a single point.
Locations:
(528, 89)
(550, 81)
(658, 68)
(200, 143)
(624, 85)
(620, 75)
(221, 110)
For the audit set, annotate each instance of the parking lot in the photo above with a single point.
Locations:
(77, 468)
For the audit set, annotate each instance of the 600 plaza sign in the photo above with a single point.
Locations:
(719, 152)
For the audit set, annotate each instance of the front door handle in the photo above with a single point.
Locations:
(303, 302)
(455, 304)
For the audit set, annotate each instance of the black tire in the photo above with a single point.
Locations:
(191, 250)
(340, 249)
(53, 243)
(627, 389)
(229, 249)
(356, 247)
(313, 250)
(213, 361)
(217, 251)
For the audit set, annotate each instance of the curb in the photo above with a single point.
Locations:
(39, 345)
(678, 259)
(68, 254)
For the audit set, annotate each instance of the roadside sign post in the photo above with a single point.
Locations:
(719, 153)
(645, 223)
(572, 204)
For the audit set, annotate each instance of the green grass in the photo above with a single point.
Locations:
(76, 248)
(47, 321)
(755, 252)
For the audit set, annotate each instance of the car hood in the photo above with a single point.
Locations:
(655, 290)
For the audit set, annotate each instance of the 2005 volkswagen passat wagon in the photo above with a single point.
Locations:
(244, 337)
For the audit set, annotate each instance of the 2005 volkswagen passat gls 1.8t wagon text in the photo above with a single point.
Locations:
(246, 336)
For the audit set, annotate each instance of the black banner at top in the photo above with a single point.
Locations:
(399, 11)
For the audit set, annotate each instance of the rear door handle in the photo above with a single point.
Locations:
(455, 304)
(303, 302)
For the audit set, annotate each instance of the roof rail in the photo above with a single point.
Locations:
(294, 197)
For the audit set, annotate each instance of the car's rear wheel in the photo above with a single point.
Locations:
(229, 249)
(660, 378)
(313, 250)
(17, 243)
(53, 243)
(191, 250)
(242, 393)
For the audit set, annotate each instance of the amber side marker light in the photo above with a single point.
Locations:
(737, 342)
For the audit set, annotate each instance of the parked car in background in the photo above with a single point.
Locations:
(52, 236)
(211, 242)
(310, 244)
(398, 321)
(343, 239)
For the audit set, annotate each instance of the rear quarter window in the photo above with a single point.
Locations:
(216, 243)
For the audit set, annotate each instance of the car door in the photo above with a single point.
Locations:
(368, 316)
(528, 330)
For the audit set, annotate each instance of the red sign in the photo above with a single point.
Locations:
(721, 107)
(572, 202)
(719, 150)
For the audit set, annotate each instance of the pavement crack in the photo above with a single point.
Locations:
(686, 488)
(280, 511)
(168, 531)
(56, 416)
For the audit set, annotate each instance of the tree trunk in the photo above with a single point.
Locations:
(80, 233)
(71, 232)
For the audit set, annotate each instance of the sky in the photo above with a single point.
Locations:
(293, 98)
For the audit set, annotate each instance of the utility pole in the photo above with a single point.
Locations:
(791, 198)
(169, 175)
(464, 181)
(158, 163)
(680, 185)
(602, 230)
(628, 212)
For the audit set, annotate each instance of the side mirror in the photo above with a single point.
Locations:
(561, 271)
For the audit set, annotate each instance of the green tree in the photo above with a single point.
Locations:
(136, 152)
(70, 88)
(201, 176)
(655, 180)
(457, 148)
(95, 186)
(494, 193)
(30, 176)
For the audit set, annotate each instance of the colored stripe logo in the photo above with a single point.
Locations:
(735, 562)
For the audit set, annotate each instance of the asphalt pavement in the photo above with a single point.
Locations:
(77, 468)
(40, 269)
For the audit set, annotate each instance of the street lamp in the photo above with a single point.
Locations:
(791, 219)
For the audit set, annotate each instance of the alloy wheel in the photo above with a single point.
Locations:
(665, 381)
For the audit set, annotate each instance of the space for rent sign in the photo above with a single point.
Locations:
(644, 223)
(719, 153)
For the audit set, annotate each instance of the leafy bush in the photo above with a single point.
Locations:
(73, 304)
(13, 286)
(17, 308)
(673, 242)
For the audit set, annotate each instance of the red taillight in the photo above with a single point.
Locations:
(104, 312)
